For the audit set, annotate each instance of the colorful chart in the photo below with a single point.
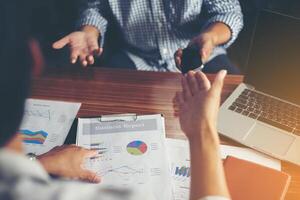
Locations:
(183, 171)
(34, 137)
(137, 148)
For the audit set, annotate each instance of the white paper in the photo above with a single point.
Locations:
(46, 124)
(132, 153)
(250, 155)
(179, 159)
(179, 156)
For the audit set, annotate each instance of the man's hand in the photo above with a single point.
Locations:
(83, 44)
(67, 161)
(216, 34)
(204, 42)
(199, 103)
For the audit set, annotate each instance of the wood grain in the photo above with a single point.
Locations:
(111, 91)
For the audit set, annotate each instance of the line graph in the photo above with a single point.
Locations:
(123, 171)
(46, 114)
(124, 175)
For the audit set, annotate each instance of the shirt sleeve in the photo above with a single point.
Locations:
(214, 198)
(68, 190)
(228, 12)
(94, 13)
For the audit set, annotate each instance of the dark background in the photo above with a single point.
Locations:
(52, 19)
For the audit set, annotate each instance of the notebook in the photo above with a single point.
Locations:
(250, 181)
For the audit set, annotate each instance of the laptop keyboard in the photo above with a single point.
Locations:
(268, 110)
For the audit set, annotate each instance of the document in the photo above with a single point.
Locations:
(131, 152)
(46, 124)
(179, 157)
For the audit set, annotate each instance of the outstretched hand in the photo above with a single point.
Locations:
(67, 161)
(83, 45)
(198, 103)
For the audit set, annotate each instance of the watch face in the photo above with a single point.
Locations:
(31, 156)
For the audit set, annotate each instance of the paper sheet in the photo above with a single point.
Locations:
(46, 124)
(131, 153)
(179, 156)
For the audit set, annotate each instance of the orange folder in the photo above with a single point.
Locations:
(250, 181)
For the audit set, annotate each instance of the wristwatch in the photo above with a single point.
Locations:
(31, 156)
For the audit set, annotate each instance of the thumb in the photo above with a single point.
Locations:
(218, 82)
(87, 175)
(61, 43)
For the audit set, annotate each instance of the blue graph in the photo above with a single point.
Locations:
(183, 171)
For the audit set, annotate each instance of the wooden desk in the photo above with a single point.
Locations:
(106, 91)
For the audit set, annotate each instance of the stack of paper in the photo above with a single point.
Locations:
(179, 155)
(132, 152)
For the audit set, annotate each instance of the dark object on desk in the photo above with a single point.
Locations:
(190, 59)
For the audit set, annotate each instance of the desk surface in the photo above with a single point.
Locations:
(110, 91)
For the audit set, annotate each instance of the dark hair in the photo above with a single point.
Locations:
(14, 65)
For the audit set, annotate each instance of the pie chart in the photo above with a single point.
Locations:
(137, 148)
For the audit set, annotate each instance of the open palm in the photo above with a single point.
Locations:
(83, 45)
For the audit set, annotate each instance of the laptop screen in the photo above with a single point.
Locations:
(274, 61)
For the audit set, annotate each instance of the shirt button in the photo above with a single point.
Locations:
(165, 51)
(160, 25)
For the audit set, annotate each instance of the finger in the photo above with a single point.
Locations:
(90, 153)
(98, 52)
(192, 82)
(74, 56)
(178, 63)
(185, 89)
(177, 57)
(89, 176)
(90, 59)
(218, 82)
(93, 48)
(83, 60)
(179, 98)
(61, 43)
(202, 80)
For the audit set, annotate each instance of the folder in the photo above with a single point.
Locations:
(250, 181)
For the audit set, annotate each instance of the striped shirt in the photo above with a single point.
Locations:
(153, 30)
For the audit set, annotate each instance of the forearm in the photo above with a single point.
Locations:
(219, 32)
(207, 169)
(93, 14)
(227, 13)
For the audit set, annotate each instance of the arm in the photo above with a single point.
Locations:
(225, 21)
(226, 12)
(208, 177)
(84, 43)
(198, 105)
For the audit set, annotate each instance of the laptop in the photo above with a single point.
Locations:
(263, 112)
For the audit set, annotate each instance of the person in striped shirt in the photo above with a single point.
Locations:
(152, 31)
